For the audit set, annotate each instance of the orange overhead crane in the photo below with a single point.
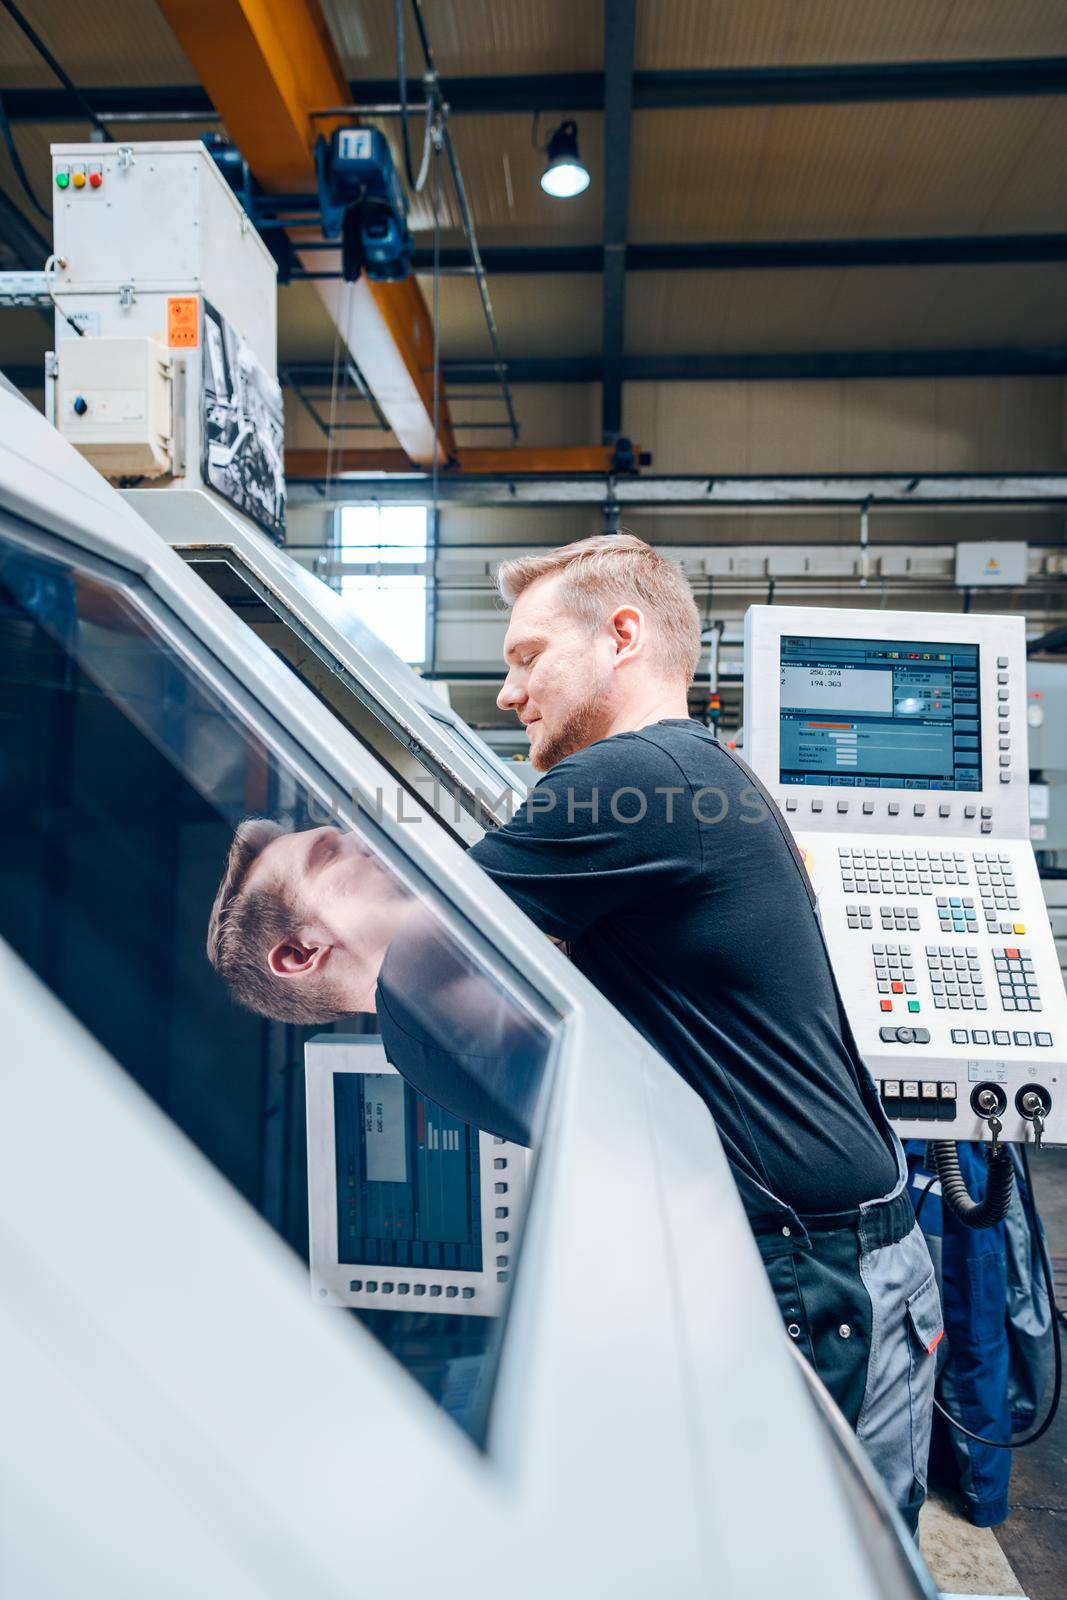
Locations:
(269, 66)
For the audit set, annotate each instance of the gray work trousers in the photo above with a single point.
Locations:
(858, 1294)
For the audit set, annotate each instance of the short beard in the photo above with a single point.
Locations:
(577, 730)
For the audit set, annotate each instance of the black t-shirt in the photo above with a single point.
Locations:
(456, 1035)
(673, 885)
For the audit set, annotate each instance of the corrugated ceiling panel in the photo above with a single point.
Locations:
(742, 33)
(849, 171)
(98, 42)
(471, 37)
(305, 331)
(552, 316)
(896, 425)
(34, 141)
(943, 526)
(683, 313)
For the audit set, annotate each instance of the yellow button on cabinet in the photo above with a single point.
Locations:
(1019, 927)
(78, 180)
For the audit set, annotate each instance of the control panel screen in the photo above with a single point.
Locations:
(876, 713)
(408, 1177)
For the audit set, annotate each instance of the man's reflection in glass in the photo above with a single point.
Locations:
(310, 927)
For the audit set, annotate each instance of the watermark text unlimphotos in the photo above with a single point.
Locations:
(624, 805)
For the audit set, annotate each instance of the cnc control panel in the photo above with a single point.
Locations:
(410, 1209)
(895, 744)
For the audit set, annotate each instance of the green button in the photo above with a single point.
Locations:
(913, 1005)
(62, 180)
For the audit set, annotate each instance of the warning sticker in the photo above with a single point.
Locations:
(183, 322)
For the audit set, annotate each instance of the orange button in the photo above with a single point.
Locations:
(897, 988)
(886, 1005)
(1011, 953)
(78, 180)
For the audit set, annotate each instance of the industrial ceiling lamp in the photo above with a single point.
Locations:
(564, 176)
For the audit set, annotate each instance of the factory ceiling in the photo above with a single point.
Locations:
(798, 184)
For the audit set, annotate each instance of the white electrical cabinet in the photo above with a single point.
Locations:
(162, 222)
(154, 251)
(114, 402)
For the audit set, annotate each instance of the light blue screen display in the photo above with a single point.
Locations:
(872, 713)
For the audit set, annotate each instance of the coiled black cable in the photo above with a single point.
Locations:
(993, 1207)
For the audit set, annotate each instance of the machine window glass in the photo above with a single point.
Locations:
(129, 758)
(877, 713)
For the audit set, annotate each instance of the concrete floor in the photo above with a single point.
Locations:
(1027, 1555)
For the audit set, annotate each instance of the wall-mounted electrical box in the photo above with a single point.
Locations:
(114, 402)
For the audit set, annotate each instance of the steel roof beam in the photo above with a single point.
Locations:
(585, 91)
(1030, 489)
(775, 255)
(620, 18)
(1026, 361)
(816, 366)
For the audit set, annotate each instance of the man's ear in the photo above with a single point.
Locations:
(298, 955)
(627, 624)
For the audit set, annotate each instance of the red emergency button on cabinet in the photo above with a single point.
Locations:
(886, 1005)
(96, 179)
(897, 988)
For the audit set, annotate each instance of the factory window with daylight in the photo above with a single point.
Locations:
(385, 565)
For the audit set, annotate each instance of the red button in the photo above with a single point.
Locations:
(886, 1005)
(897, 988)
(1012, 954)
(96, 179)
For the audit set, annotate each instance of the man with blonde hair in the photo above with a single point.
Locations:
(656, 858)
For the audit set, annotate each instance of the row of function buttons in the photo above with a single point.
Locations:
(435, 1290)
(1001, 1036)
(997, 1036)
(923, 1102)
(918, 809)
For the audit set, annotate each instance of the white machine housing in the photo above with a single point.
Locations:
(929, 898)
(171, 1385)
(161, 226)
(501, 1203)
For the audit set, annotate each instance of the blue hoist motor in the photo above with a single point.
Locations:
(361, 200)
